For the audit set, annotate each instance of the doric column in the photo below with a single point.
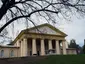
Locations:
(21, 47)
(64, 47)
(50, 44)
(19, 51)
(24, 47)
(42, 47)
(34, 50)
(57, 47)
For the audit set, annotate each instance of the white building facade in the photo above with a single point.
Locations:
(38, 41)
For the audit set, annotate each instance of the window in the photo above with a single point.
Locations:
(12, 53)
(2, 53)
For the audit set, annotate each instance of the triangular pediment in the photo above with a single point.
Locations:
(46, 29)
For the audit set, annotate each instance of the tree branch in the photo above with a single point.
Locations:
(25, 16)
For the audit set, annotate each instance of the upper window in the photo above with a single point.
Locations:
(12, 53)
(2, 53)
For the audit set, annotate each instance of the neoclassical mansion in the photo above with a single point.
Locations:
(37, 41)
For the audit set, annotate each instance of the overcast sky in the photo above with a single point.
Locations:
(75, 30)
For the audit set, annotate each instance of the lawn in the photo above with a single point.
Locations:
(63, 59)
(53, 59)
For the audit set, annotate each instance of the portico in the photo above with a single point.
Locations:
(42, 44)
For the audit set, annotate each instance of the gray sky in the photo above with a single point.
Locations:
(75, 30)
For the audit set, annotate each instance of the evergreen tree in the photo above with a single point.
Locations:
(84, 47)
(74, 45)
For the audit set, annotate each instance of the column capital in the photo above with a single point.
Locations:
(56, 40)
(24, 38)
(33, 38)
(63, 40)
(50, 39)
(42, 39)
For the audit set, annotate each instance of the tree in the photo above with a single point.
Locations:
(12, 10)
(4, 36)
(84, 47)
(74, 45)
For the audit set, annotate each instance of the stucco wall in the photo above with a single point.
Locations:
(71, 51)
(7, 52)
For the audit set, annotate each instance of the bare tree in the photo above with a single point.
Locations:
(4, 36)
(12, 10)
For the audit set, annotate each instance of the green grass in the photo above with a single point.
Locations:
(63, 59)
(55, 59)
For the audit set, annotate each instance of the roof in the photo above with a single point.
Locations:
(27, 30)
(8, 46)
(50, 26)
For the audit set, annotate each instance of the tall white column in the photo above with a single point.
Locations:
(57, 47)
(34, 50)
(21, 48)
(42, 47)
(24, 47)
(19, 51)
(64, 47)
(50, 44)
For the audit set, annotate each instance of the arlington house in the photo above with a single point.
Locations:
(37, 41)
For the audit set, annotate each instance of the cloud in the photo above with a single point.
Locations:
(75, 30)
